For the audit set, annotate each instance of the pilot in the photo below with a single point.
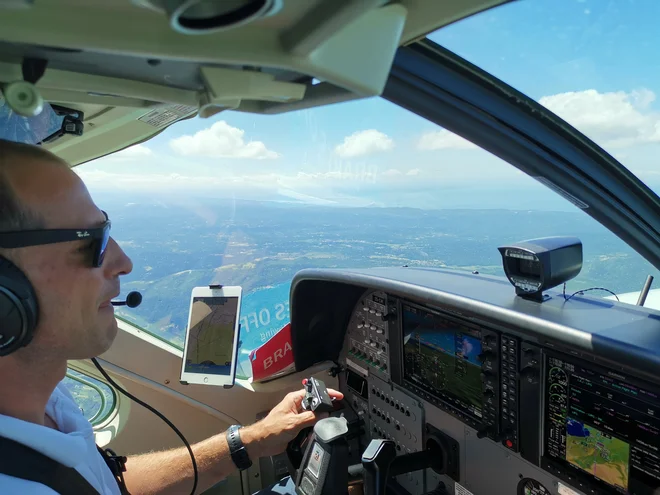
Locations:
(39, 191)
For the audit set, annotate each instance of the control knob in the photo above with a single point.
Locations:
(486, 374)
(505, 437)
(486, 355)
(485, 431)
(529, 373)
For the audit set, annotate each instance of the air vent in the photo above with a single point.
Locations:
(208, 16)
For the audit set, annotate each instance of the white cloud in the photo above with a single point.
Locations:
(220, 141)
(364, 143)
(612, 120)
(443, 139)
(136, 151)
(322, 181)
(393, 172)
(305, 198)
(130, 154)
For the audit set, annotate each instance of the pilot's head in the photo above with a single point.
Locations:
(39, 191)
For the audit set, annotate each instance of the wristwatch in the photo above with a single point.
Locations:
(236, 448)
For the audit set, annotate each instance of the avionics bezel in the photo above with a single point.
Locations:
(363, 395)
(434, 399)
(562, 468)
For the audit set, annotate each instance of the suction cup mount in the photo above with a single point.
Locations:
(23, 97)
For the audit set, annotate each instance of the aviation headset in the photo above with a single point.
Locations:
(19, 309)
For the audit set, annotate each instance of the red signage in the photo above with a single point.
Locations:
(274, 356)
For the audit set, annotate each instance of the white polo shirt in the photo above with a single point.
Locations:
(73, 445)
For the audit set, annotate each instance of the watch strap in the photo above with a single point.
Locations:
(237, 449)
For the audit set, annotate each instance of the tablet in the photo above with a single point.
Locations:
(211, 347)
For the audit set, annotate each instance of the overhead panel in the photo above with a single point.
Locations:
(245, 55)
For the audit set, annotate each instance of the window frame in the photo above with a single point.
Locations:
(152, 334)
(96, 421)
(447, 90)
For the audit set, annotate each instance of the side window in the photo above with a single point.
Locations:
(96, 399)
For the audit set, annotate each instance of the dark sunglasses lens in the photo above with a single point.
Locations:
(101, 246)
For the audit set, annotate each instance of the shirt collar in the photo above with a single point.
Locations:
(67, 446)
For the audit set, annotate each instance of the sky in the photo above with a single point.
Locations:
(595, 63)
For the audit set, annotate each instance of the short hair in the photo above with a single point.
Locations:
(14, 214)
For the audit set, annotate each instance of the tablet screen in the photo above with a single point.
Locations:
(211, 335)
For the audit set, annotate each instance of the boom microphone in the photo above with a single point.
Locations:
(133, 300)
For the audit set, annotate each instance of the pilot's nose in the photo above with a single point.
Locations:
(119, 262)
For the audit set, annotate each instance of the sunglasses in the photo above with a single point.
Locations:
(98, 236)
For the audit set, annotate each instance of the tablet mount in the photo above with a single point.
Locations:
(184, 382)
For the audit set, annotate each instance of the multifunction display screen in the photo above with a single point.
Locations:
(603, 425)
(441, 357)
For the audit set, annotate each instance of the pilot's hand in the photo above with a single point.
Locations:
(271, 435)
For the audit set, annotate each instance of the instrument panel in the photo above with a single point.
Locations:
(556, 421)
(601, 427)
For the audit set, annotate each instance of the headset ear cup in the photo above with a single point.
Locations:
(19, 311)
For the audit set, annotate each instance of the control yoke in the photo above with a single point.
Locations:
(324, 469)
(380, 463)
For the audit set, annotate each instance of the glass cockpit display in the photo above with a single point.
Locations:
(602, 425)
(441, 357)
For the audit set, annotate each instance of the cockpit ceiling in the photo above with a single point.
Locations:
(118, 61)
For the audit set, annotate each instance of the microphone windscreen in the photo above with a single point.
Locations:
(133, 299)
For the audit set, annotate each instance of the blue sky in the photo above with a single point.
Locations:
(593, 62)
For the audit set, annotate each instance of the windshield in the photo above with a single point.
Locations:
(593, 63)
(29, 130)
(242, 199)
